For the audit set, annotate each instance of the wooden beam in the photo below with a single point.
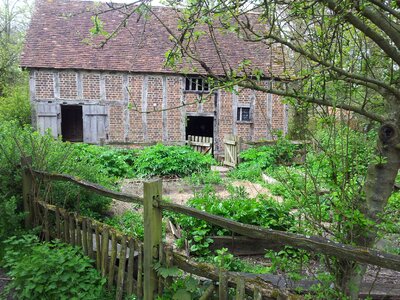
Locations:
(164, 109)
(144, 106)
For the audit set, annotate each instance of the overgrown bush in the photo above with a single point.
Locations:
(53, 156)
(238, 206)
(257, 159)
(170, 161)
(115, 162)
(50, 271)
(15, 105)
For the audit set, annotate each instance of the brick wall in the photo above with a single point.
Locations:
(126, 120)
(68, 85)
(113, 87)
(91, 86)
(44, 85)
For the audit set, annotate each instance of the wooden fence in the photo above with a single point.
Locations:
(232, 148)
(128, 263)
(202, 144)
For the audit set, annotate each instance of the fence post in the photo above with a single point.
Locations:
(152, 235)
(239, 150)
(27, 193)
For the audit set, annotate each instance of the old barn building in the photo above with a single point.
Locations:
(123, 93)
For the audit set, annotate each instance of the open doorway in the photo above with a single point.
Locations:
(72, 123)
(200, 126)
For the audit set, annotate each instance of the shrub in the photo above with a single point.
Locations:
(50, 271)
(257, 159)
(239, 207)
(114, 162)
(129, 222)
(170, 161)
(52, 156)
(15, 105)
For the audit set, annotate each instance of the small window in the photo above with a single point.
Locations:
(196, 84)
(243, 114)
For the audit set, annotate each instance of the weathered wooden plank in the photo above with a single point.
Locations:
(71, 222)
(90, 239)
(98, 247)
(223, 286)
(152, 235)
(139, 290)
(66, 228)
(46, 224)
(121, 270)
(47, 117)
(257, 294)
(129, 280)
(104, 251)
(58, 224)
(78, 234)
(27, 184)
(84, 237)
(240, 288)
(200, 144)
(113, 257)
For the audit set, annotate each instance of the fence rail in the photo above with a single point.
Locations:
(112, 251)
(309, 243)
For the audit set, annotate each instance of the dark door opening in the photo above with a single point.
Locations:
(72, 123)
(200, 126)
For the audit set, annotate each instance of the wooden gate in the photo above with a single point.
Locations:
(232, 147)
(202, 144)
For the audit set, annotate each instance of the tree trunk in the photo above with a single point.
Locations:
(379, 184)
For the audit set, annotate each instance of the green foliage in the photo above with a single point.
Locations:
(130, 222)
(239, 207)
(114, 162)
(53, 156)
(289, 260)
(171, 161)
(257, 159)
(182, 288)
(15, 104)
(50, 271)
(10, 220)
(212, 177)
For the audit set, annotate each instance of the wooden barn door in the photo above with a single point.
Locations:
(94, 123)
(48, 118)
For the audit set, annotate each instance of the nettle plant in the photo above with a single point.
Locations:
(262, 211)
(170, 161)
(50, 271)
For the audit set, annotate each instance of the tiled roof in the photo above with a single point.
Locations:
(59, 33)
